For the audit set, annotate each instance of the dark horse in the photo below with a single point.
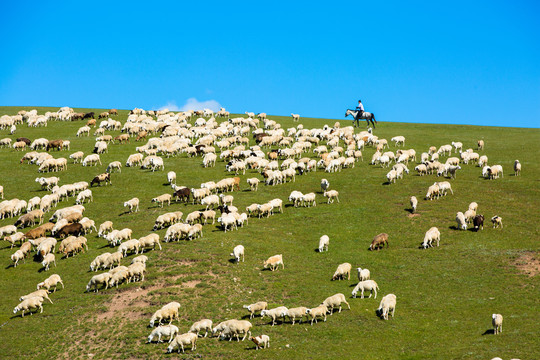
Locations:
(365, 115)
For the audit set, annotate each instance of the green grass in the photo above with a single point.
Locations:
(445, 295)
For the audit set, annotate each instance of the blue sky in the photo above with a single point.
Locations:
(460, 62)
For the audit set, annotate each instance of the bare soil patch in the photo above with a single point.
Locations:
(529, 263)
(413, 215)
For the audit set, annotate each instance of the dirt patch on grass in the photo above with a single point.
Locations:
(191, 284)
(529, 263)
(121, 302)
(412, 215)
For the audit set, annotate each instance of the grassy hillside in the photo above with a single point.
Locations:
(445, 295)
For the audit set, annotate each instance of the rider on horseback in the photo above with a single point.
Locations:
(360, 108)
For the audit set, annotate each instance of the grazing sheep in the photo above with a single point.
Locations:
(388, 303)
(433, 234)
(342, 271)
(17, 256)
(48, 260)
(253, 183)
(274, 313)
(181, 340)
(28, 305)
(497, 320)
(414, 203)
(469, 215)
(335, 301)
(309, 199)
(168, 311)
(369, 285)
(51, 281)
(363, 274)
(460, 219)
(433, 192)
(517, 168)
(379, 241)
(495, 171)
(480, 144)
(164, 330)
(324, 241)
(96, 280)
(497, 221)
(171, 177)
(473, 206)
(38, 293)
(261, 341)
(391, 176)
(319, 311)
(162, 199)
(132, 204)
(293, 313)
(140, 259)
(273, 262)
(149, 241)
(202, 325)
(115, 165)
(296, 117)
(452, 171)
(478, 222)
(105, 228)
(238, 252)
(14, 238)
(237, 327)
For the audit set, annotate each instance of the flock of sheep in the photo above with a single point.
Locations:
(199, 134)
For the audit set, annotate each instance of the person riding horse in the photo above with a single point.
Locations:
(360, 108)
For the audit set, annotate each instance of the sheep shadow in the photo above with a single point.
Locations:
(41, 270)
(166, 184)
(453, 227)
(124, 213)
(386, 183)
(289, 205)
(10, 266)
(233, 261)
(489, 332)
(410, 211)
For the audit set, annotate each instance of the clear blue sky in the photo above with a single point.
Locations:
(462, 62)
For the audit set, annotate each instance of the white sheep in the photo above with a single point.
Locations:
(105, 228)
(398, 140)
(324, 241)
(274, 313)
(17, 256)
(181, 340)
(238, 252)
(319, 311)
(414, 203)
(168, 311)
(162, 199)
(253, 183)
(342, 271)
(293, 313)
(38, 293)
(369, 285)
(132, 204)
(114, 165)
(51, 281)
(433, 234)
(164, 330)
(150, 240)
(331, 195)
(253, 308)
(171, 178)
(363, 274)
(460, 219)
(48, 260)
(309, 199)
(202, 325)
(388, 303)
(335, 301)
(457, 145)
(29, 304)
(497, 320)
(96, 280)
(273, 262)
(237, 328)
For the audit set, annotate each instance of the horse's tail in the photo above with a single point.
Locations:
(373, 117)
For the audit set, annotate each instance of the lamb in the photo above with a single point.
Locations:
(517, 168)
(324, 241)
(497, 221)
(169, 311)
(51, 281)
(335, 301)
(96, 280)
(379, 241)
(369, 285)
(414, 203)
(261, 342)
(273, 262)
(478, 222)
(29, 304)
(342, 271)
(388, 303)
(38, 293)
(181, 340)
(460, 219)
(48, 260)
(162, 199)
(202, 325)
(149, 240)
(274, 313)
(497, 320)
(433, 234)
(238, 252)
(331, 195)
(363, 274)
(258, 306)
(319, 311)
(105, 228)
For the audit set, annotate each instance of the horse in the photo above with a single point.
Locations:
(365, 115)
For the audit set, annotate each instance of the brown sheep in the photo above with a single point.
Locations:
(236, 183)
(47, 227)
(103, 115)
(141, 135)
(35, 233)
(113, 111)
(71, 229)
(55, 144)
(122, 138)
(379, 241)
(91, 122)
